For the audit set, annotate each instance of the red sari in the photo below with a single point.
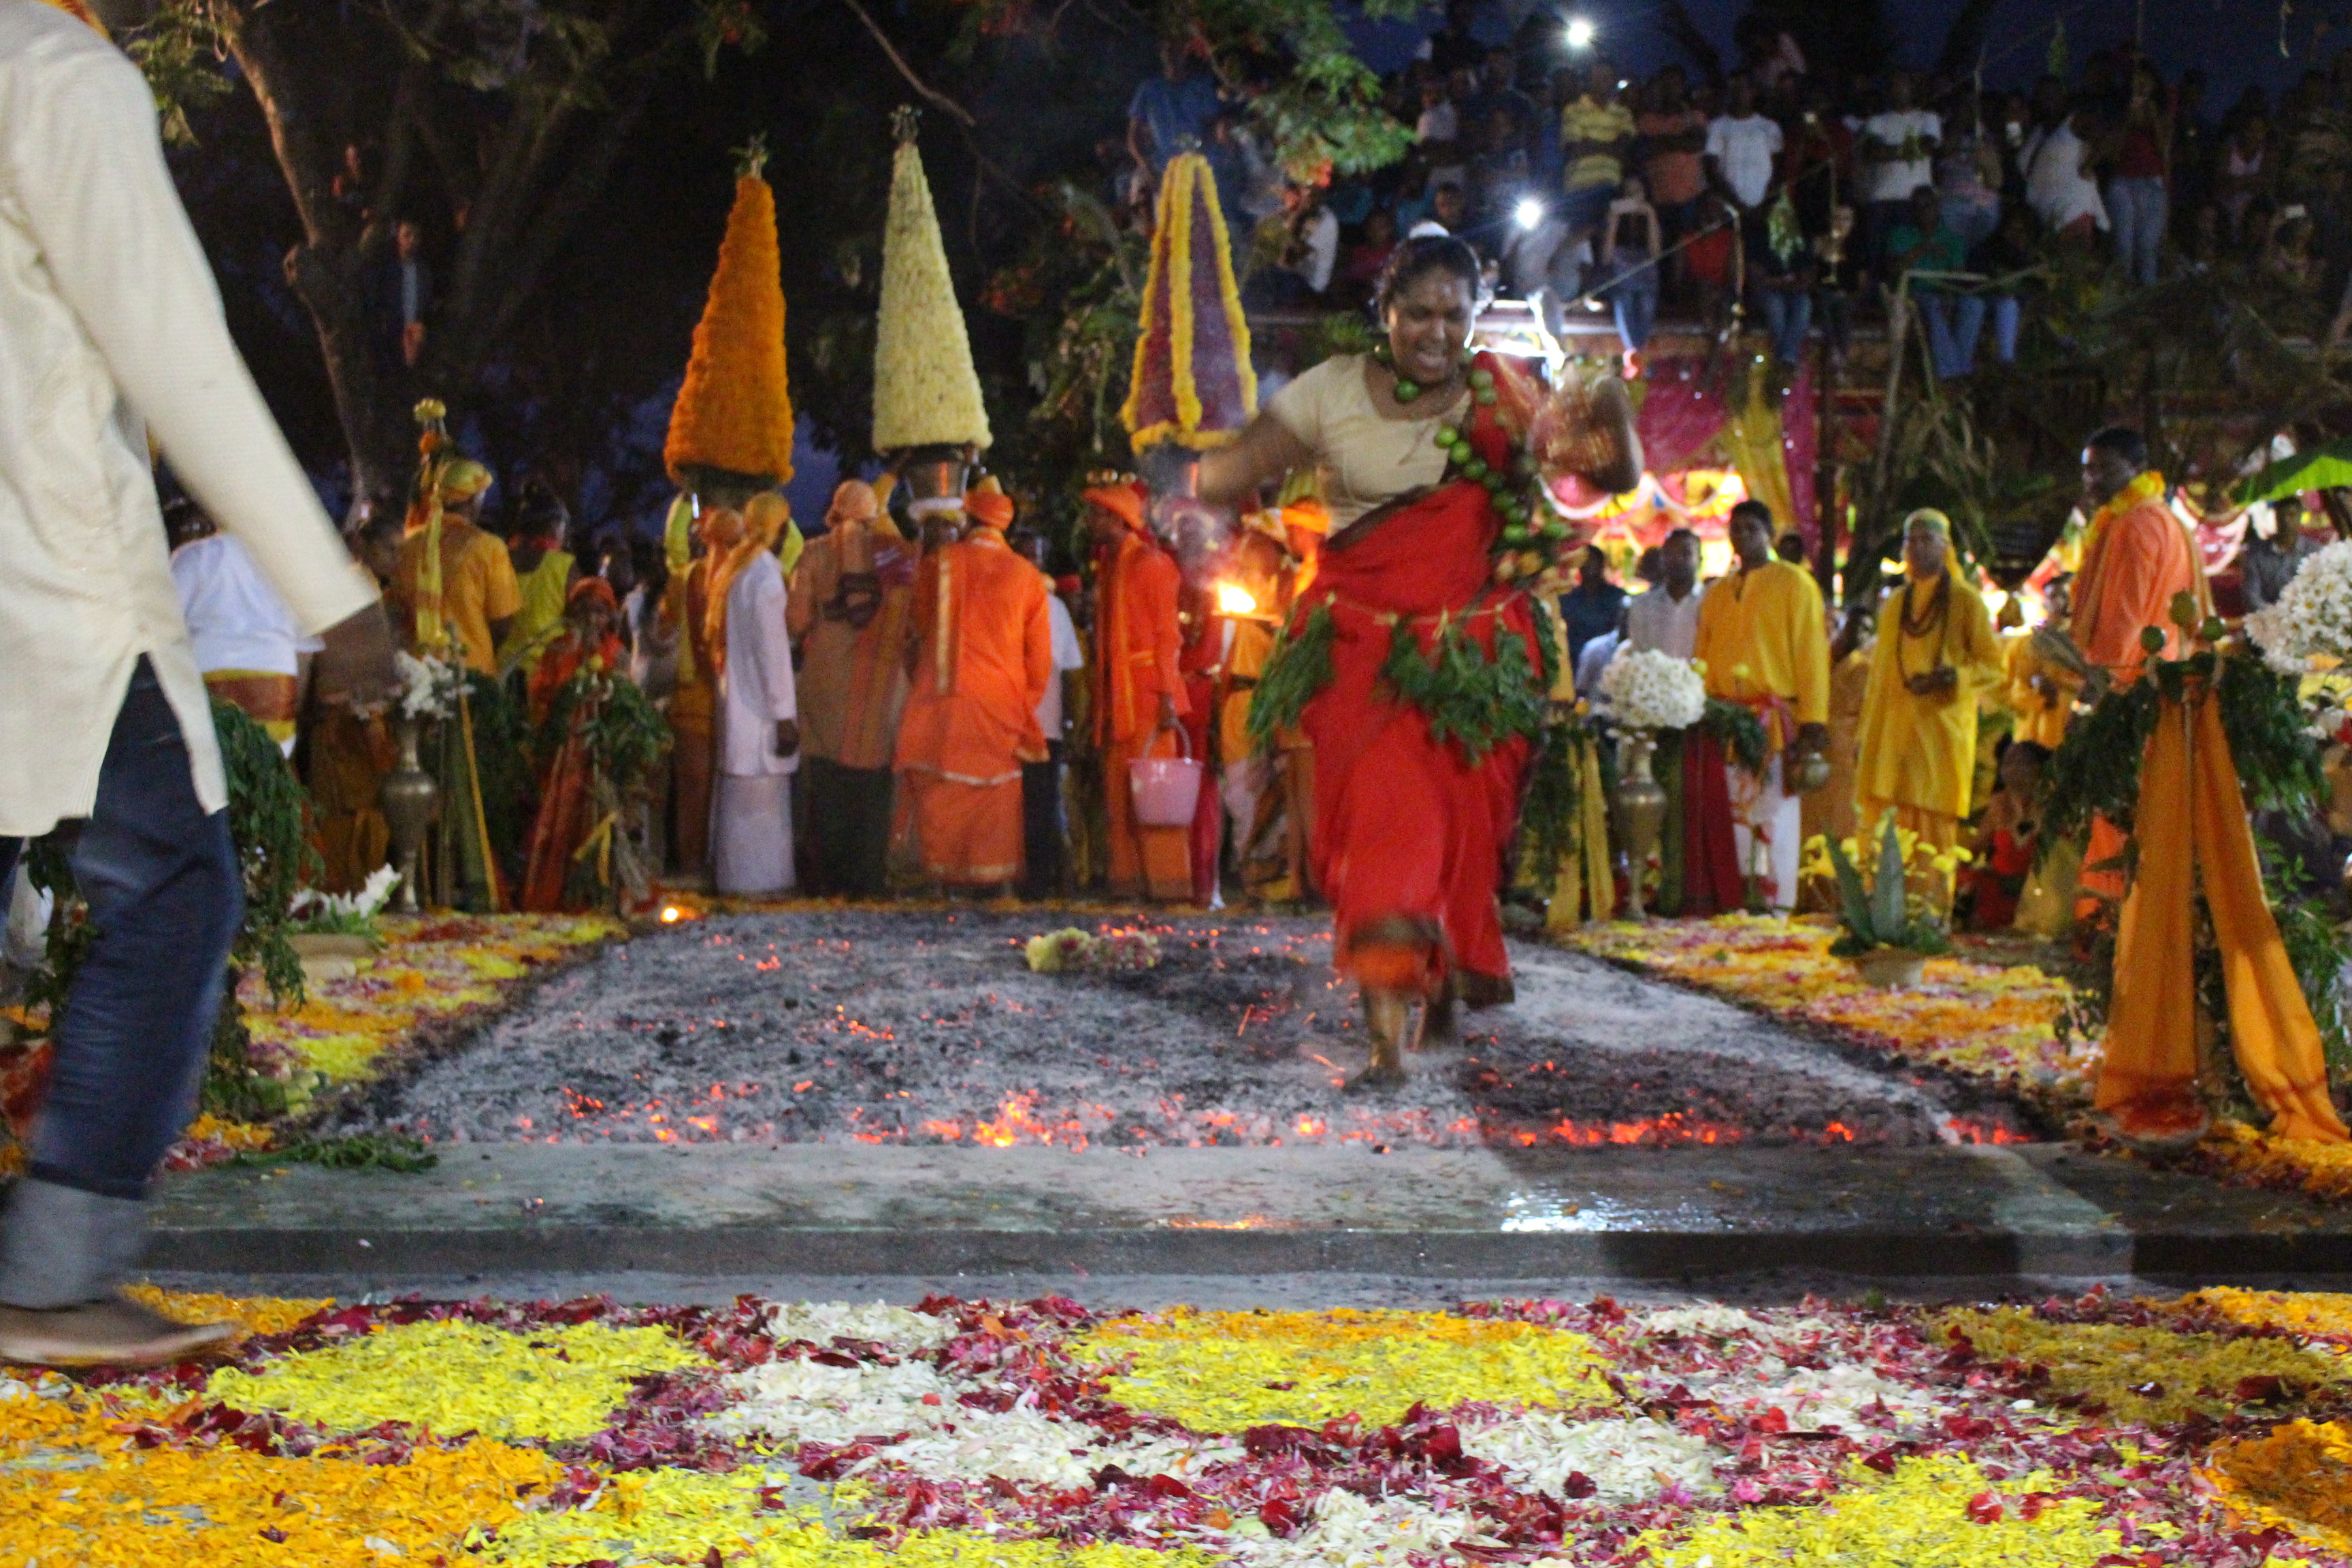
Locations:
(1411, 838)
(564, 822)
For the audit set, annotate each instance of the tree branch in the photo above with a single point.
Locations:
(955, 111)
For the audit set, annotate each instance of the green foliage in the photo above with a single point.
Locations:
(266, 821)
(2096, 771)
(1739, 730)
(179, 52)
(1474, 700)
(625, 736)
(1297, 667)
(1340, 332)
(1883, 913)
(1554, 804)
(500, 761)
(394, 1152)
(1327, 118)
(233, 1089)
(2278, 762)
(2316, 947)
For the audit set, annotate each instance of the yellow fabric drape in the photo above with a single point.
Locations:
(1751, 439)
(2190, 815)
(1584, 874)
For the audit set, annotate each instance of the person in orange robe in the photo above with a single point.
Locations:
(1140, 685)
(2137, 556)
(851, 595)
(983, 654)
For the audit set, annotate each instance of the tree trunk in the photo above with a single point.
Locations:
(329, 271)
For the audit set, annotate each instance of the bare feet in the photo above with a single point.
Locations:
(1387, 1016)
(112, 1333)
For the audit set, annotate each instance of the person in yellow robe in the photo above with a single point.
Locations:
(1936, 654)
(1829, 811)
(2040, 691)
(545, 572)
(1764, 642)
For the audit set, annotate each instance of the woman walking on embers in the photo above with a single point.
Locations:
(1418, 670)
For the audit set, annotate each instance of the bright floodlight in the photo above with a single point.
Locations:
(1530, 212)
(1580, 33)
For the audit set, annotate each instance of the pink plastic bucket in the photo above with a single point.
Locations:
(1166, 790)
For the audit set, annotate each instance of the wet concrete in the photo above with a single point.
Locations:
(1524, 1214)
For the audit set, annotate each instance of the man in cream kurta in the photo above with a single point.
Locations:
(114, 333)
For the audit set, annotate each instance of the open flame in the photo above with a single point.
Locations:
(1232, 599)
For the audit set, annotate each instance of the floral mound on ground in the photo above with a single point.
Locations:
(1040, 1435)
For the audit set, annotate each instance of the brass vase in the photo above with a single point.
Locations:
(1638, 807)
(410, 802)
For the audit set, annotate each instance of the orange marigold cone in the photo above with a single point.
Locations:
(735, 411)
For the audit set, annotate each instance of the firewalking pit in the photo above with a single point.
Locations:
(874, 1025)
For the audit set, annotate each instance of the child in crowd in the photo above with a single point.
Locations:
(2006, 842)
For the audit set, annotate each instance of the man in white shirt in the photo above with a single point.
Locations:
(115, 336)
(1898, 152)
(1666, 619)
(252, 651)
(1743, 148)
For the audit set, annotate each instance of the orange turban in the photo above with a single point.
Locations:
(594, 588)
(853, 500)
(1121, 500)
(991, 509)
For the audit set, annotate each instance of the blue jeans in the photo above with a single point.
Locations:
(2005, 315)
(2138, 207)
(1788, 316)
(1954, 323)
(165, 894)
(1634, 297)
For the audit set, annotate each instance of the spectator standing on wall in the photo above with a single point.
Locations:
(1967, 171)
(1927, 244)
(1897, 150)
(1743, 148)
(1629, 268)
(1169, 110)
(1673, 151)
(1596, 135)
(2058, 183)
(2138, 195)
(1498, 88)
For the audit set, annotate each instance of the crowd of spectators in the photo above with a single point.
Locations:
(1794, 197)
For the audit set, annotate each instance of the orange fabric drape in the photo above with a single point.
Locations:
(2191, 814)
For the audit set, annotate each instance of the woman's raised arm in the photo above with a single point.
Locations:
(1265, 450)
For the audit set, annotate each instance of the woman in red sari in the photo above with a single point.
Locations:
(1412, 833)
(566, 813)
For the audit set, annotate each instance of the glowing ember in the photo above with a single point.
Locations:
(915, 1027)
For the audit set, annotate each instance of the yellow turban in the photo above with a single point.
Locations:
(462, 479)
(1935, 521)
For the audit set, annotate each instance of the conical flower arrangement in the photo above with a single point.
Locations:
(1193, 384)
(735, 411)
(925, 391)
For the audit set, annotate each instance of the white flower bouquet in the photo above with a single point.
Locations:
(1653, 690)
(428, 686)
(2310, 628)
(344, 914)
